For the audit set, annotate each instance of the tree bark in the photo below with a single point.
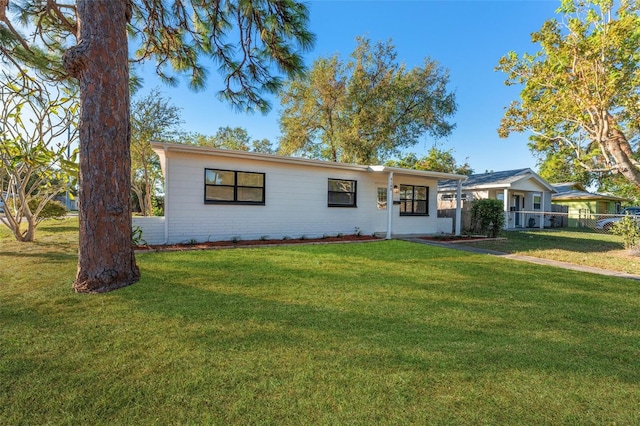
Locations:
(620, 149)
(106, 259)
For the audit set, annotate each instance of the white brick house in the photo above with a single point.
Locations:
(214, 194)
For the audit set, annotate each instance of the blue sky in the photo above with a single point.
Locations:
(466, 37)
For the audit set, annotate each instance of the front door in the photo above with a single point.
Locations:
(517, 210)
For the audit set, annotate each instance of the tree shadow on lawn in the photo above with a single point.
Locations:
(58, 229)
(52, 257)
(465, 325)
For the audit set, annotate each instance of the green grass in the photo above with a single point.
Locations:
(601, 250)
(388, 332)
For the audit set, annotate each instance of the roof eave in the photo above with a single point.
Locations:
(194, 149)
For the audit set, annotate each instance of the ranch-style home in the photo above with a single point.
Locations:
(525, 195)
(215, 195)
(584, 206)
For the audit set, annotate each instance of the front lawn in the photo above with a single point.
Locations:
(600, 250)
(386, 332)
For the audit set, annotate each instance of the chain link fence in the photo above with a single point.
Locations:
(559, 218)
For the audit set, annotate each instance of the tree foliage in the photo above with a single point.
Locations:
(37, 127)
(366, 109)
(236, 138)
(436, 160)
(153, 118)
(581, 94)
(629, 229)
(250, 41)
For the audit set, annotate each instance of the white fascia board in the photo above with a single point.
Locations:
(421, 173)
(246, 155)
(164, 147)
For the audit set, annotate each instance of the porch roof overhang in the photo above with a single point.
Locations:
(501, 185)
(419, 173)
(586, 196)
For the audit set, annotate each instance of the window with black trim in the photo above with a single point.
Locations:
(414, 200)
(233, 187)
(341, 193)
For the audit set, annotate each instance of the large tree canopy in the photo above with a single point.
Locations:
(581, 94)
(436, 160)
(250, 41)
(366, 109)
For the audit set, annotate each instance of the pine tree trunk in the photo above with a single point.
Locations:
(106, 259)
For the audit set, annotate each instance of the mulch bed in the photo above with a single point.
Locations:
(248, 243)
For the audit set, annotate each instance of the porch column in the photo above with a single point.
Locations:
(506, 208)
(542, 208)
(458, 208)
(389, 205)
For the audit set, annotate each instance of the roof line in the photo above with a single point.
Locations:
(194, 149)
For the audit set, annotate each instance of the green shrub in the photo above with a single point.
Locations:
(629, 230)
(488, 216)
(51, 210)
(136, 237)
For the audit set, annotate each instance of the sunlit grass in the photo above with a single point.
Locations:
(387, 332)
(601, 250)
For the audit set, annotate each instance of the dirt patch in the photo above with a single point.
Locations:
(263, 242)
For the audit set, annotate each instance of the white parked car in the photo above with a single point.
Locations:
(606, 224)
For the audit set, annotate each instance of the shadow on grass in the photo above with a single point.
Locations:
(62, 229)
(52, 257)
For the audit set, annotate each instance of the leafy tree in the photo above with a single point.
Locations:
(246, 40)
(262, 145)
(629, 229)
(557, 169)
(581, 94)
(227, 137)
(616, 184)
(366, 109)
(153, 118)
(36, 122)
(436, 160)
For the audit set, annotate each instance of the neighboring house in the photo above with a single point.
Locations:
(215, 194)
(525, 195)
(583, 206)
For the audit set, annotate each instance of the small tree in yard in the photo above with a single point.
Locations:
(35, 123)
(488, 216)
(153, 118)
(629, 229)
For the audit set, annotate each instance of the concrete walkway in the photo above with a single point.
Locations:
(530, 259)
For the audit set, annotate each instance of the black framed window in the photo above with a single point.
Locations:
(341, 193)
(233, 187)
(414, 200)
